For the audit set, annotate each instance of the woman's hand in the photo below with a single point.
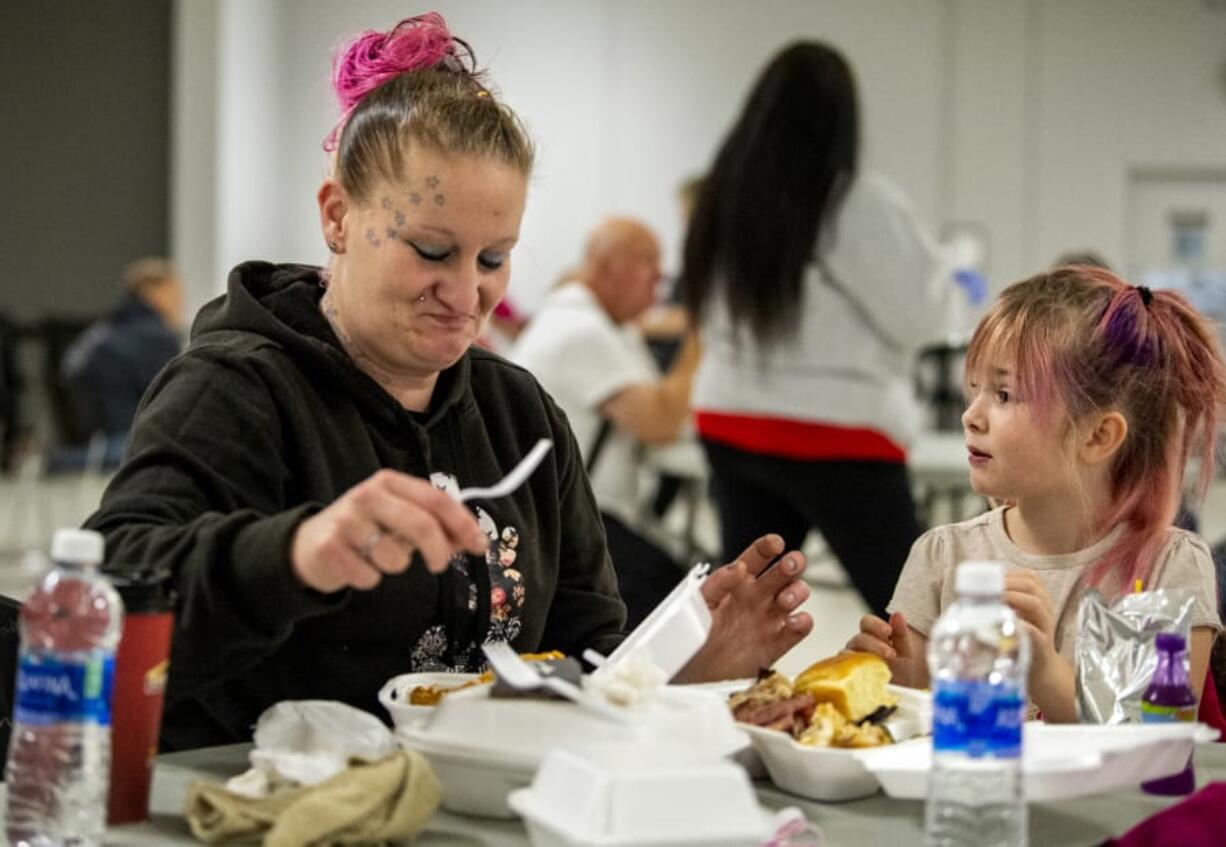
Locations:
(753, 613)
(902, 648)
(375, 527)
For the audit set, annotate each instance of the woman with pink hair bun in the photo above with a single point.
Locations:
(293, 467)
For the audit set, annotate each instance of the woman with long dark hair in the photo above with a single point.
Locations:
(813, 285)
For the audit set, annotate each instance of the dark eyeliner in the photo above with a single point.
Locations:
(426, 254)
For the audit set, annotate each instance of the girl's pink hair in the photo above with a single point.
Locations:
(1083, 340)
(372, 58)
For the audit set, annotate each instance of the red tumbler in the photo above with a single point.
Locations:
(141, 664)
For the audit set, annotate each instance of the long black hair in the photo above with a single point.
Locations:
(773, 191)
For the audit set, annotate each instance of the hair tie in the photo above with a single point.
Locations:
(1147, 296)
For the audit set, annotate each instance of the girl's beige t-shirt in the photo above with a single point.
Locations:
(926, 585)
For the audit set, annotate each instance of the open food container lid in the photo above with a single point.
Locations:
(1059, 762)
(673, 632)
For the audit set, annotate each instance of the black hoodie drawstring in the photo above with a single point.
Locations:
(478, 569)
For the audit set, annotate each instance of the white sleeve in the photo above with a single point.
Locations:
(890, 265)
(583, 361)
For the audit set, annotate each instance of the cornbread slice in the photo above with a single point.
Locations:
(854, 683)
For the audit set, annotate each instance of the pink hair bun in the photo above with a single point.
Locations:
(372, 58)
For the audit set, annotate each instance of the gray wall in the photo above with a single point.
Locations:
(84, 98)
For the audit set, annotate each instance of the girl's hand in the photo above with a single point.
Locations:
(902, 648)
(1028, 597)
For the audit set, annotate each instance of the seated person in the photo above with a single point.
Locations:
(583, 346)
(288, 468)
(1087, 450)
(112, 363)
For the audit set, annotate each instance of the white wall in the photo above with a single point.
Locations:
(1024, 115)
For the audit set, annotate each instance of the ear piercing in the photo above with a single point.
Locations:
(334, 247)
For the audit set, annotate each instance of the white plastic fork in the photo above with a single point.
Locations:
(511, 481)
(517, 673)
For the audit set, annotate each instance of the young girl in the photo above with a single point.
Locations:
(1086, 397)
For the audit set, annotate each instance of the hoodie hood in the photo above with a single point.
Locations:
(281, 304)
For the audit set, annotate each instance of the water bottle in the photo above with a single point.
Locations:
(59, 753)
(978, 656)
(1170, 698)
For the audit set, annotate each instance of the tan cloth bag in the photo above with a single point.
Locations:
(381, 801)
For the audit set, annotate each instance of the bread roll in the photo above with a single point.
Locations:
(854, 683)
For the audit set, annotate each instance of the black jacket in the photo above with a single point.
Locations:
(113, 361)
(263, 421)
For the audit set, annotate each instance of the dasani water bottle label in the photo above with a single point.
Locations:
(51, 689)
(978, 718)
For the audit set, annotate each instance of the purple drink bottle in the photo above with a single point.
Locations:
(1170, 698)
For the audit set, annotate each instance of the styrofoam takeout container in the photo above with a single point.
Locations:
(830, 773)
(666, 795)
(1060, 762)
(394, 695)
(482, 747)
(674, 631)
(747, 758)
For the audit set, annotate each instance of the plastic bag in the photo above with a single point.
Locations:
(304, 742)
(1115, 650)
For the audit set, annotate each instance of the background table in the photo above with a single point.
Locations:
(870, 821)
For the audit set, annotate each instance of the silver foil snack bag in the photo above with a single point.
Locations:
(1115, 650)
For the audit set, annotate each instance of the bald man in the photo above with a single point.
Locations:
(586, 351)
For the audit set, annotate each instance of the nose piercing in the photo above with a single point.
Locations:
(421, 299)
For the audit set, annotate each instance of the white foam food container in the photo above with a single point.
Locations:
(482, 747)
(394, 695)
(613, 796)
(674, 631)
(830, 773)
(1060, 762)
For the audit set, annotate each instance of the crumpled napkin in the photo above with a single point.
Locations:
(322, 773)
(634, 679)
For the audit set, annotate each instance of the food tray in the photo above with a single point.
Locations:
(827, 773)
(1060, 762)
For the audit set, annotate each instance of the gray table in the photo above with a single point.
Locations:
(871, 821)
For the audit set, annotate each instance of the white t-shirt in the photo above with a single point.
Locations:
(887, 291)
(582, 358)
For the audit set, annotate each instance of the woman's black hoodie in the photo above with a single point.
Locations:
(265, 420)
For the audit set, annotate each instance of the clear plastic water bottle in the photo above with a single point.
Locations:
(60, 750)
(978, 656)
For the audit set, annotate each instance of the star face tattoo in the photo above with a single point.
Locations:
(372, 237)
(431, 182)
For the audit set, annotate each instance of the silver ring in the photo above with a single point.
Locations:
(371, 543)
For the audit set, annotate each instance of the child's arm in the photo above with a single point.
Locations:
(1198, 657)
(903, 649)
(1052, 682)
